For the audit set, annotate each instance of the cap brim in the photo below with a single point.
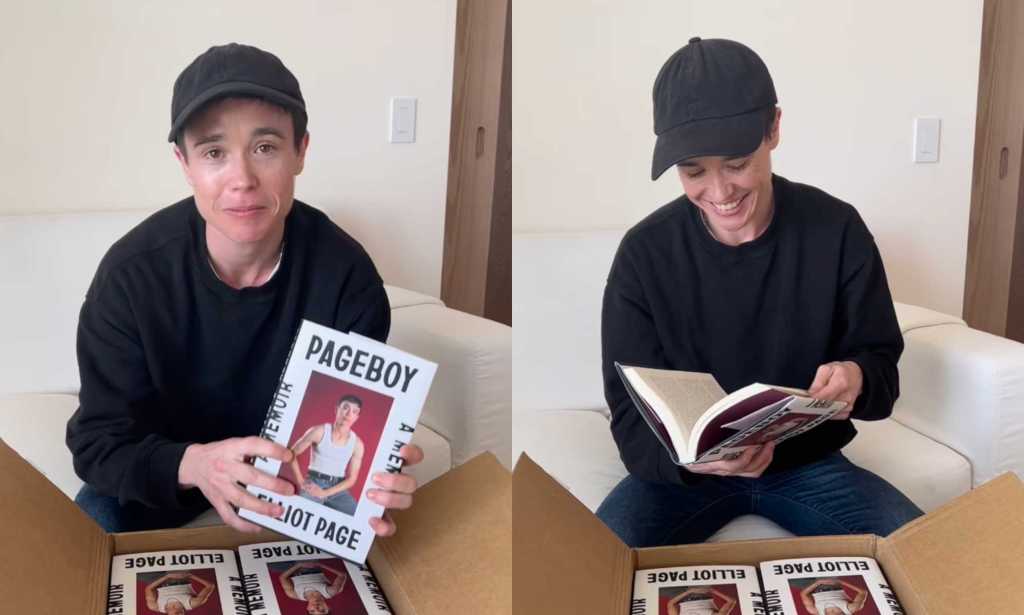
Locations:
(222, 90)
(736, 135)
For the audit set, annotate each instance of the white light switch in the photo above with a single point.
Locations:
(926, 139)
(403, 120)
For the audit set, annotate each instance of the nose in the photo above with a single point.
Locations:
(242, 176)
(717, 188)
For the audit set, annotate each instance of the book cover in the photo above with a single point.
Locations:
(697, 590)
(827, 586)
(198, 581)
(345, 405)
(292, 578)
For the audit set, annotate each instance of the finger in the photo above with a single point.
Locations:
(411, 453)
(402, 483)
(726, 468)
(821, 377)
(255, 446)
(390, 499)
(248, 475)
(241, 498)
(383, 527)
(228, 516)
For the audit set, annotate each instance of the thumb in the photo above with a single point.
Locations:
(821, 378)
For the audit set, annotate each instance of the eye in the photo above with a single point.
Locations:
(695, 173)
(739, 166)
(265, 148)
(213, 153)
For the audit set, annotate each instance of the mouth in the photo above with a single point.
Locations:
(244, 211)
(728, 208)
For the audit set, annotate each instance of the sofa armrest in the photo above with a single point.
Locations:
(964, 388)
(469, 402)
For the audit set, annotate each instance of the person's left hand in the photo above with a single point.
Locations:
(394, 490)
(838, 381)
(314, 489)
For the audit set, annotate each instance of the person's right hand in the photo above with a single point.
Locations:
(217, 468)
(750, 464)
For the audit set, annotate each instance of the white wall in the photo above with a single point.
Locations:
(850, 76)
(85, 109)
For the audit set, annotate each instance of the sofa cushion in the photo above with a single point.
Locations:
(33, 425)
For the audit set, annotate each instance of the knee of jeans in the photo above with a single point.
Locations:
(103, 509)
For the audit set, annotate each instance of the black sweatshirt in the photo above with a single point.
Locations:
(810, 290)
(169, 355)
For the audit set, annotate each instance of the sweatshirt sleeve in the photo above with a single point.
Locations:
(868, 331)
(629, 336)
(113, 444)
(366, 309)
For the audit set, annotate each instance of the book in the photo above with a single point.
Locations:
(289, 577)
(697, 590)
(200, 581)
(827, 586)
(697, 422)
(802, 586)
(207, 582)
(345, 405)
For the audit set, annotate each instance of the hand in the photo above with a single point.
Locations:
(396, 490)
(838, 381)
(217, 468)
(314, 489)
(750, 464)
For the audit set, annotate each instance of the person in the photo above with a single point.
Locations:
(190, 317)
(752, 278)
(307, 581)
(700, 601)
(828, 597)
(173, 593)
(335, 458)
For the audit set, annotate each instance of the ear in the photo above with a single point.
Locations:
(773, 138)
(301, 162)
(184, 164)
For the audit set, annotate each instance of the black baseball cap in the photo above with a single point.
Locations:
(232, 69)
(710, 99)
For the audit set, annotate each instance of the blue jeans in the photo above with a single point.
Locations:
(828, 496)
(110, 515)
(341, 501)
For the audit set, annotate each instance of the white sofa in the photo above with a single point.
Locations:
(46, 265)
(959, 420)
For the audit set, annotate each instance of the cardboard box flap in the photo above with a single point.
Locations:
(564, 560)
(966, 556)
(43, 532)
(457, 534)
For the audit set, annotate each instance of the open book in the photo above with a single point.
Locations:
(807, 586)
(697, 422)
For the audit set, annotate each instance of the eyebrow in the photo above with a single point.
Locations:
(259, 132)
(690, 163)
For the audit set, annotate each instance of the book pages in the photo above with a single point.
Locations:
(697, 590)
(827, 586)
(198, 581)
(291, 578)
(685, 396)
(345, 405)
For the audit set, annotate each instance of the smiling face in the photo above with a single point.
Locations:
(733, 192)
(241, 163)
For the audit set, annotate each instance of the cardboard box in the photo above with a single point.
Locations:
(450, 554)
(965, 558)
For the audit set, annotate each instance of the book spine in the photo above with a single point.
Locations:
(273, 400)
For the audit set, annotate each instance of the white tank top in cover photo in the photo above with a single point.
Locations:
(835, 599)
(306, 582)
(178, 593)
(329, 458)
(697, 607)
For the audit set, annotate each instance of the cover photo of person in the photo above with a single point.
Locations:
(178, 592)
(832, 596)
(698, 600)
(314, 587)
(335, 438)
